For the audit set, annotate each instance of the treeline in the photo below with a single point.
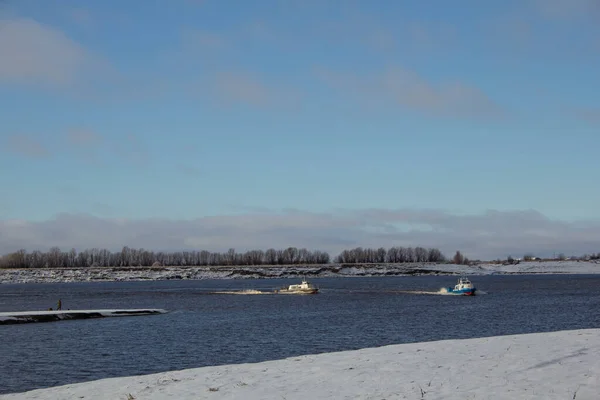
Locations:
(129, 257)
(510, 260)
(391, 255)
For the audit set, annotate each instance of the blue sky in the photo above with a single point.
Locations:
(189, 109)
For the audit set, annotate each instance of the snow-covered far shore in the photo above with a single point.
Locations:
(50, 275)
(557, 365)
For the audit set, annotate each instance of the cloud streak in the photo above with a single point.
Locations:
(406, 89)
(40, 56)
(487, 235)
(27, 146)
(34, 53)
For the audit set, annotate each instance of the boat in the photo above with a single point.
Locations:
(463, 287)
(303, 288)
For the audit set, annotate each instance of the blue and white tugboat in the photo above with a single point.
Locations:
(463, 287)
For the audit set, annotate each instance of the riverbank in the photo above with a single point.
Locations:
(56, 275)
(556, 365)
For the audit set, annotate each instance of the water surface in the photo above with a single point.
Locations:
(204, 329)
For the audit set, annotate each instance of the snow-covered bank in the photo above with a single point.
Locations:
(287, 271)
(22, 317)
(558, 365)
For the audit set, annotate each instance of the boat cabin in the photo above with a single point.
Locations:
(464, 283)
(304, 285)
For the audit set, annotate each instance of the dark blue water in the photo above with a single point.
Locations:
(211, 329)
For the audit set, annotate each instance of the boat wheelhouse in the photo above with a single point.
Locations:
(463, 287)
(302, 288)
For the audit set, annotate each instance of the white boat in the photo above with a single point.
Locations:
(303, 288)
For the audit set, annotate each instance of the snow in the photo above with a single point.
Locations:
(557, 365)
(288, 271)
(552, 267)
(44, 316)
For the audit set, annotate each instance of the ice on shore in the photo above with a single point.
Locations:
(557, 365)
(44, 275)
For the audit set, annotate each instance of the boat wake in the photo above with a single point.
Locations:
(441, 292)
(246, 292)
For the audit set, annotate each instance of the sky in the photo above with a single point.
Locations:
(205, 124)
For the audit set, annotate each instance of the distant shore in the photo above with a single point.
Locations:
(94, 274)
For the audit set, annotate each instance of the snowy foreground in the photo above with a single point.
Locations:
(21, 317)
(558, 365)
(291, 271)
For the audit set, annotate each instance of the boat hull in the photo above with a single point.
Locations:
(463, 292)
(306, 291)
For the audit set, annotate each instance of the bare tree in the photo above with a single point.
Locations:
(458, 258)
(528, 257)
(131, 257)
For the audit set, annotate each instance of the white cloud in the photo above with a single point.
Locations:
(488, 235)
(40, 56)
(33, 53)
(408, 90)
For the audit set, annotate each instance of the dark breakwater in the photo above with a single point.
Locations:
(8, 318)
